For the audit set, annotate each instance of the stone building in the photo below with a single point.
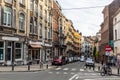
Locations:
(25, 31)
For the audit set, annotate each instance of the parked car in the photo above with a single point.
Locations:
(89, 62)
(82, 59)
(58, 60)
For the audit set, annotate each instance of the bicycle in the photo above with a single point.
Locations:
(106, 70)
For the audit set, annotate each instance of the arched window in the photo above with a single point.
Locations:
(22, 21)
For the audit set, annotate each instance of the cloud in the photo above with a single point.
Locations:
(88, 20)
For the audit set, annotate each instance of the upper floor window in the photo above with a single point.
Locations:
(35, 9)
(115, 20)
(41, 10)
(21, 21)
(31, 25)
(35, 27)
(45, 32)
(7, 16)
(115, 34)
(40, 29)
(45, 15)
(31, 5)
(22, 2)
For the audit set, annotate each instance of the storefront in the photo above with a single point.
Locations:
(11, 50)
(34, 52)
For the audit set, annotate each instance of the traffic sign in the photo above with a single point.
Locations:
(108, 48)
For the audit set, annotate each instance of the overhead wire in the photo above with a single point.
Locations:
(82, 8)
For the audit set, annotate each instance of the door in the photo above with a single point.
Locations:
(9, 53)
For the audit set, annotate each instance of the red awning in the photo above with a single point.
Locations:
(35, 46)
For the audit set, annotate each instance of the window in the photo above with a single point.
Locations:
(7, 16)
(45, 32)
(49, 33)
(35, 27)
(31, 25)
(35, 9)
(40, 11)
(40, 29)
(18, 50)
(115, 34)
(45, 15)
(21, 21)
(22, 2)
(31, 5)
(1, 50)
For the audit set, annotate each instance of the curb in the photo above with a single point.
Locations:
(32, 70)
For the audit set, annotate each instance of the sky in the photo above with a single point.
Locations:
(86, 20)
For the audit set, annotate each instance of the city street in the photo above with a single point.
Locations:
(72, 71)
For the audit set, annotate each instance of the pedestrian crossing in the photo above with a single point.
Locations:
(67, 70)
(73, 69)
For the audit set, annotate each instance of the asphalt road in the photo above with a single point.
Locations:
(72, 71)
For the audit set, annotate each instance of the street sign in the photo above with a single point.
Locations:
(108, 48)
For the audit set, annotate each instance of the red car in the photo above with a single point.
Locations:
(58, 60)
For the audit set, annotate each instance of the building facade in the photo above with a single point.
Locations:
(107, 26)
(116, 32)
(25, 31)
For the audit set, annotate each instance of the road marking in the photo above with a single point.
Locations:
(65, 73)
(72, 73)
(81, 69)
(65, 69)
(73, 69)
(77, 77)
(50, 72)
(73, 77)
(57, 68)
(57, 72)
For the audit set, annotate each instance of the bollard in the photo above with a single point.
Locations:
(93, 68)
(118, 71)
(47, 66)
(28, 67)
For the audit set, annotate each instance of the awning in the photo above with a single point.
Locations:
(35, 45)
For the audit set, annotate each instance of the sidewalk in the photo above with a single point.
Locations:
(114, 68)
(24, 68)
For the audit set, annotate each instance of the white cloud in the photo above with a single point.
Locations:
(86, 21)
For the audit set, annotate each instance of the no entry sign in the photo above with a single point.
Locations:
(108, 48)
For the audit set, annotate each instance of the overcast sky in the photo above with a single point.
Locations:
(87, 21)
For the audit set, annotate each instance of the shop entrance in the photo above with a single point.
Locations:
(34, 56)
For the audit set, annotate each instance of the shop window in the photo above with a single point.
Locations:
(18, 50)
(1, 50)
